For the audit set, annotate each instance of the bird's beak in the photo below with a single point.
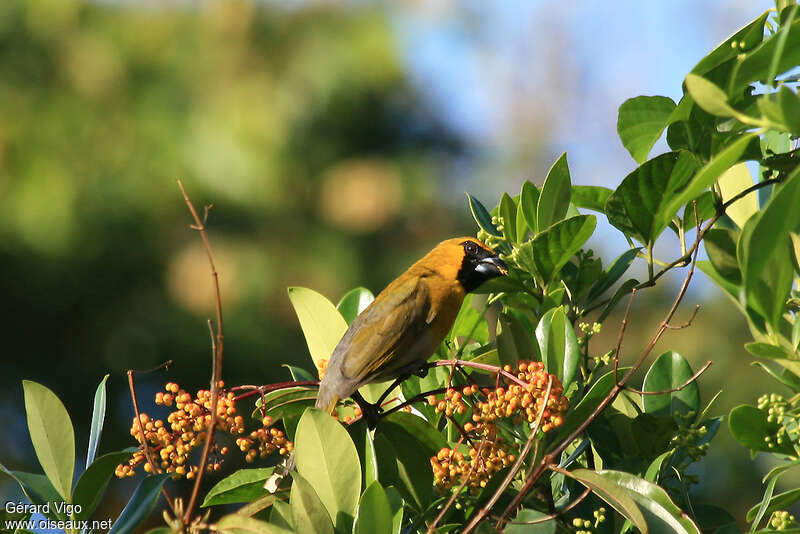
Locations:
(492, 267)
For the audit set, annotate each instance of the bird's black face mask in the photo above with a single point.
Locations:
(478, 266)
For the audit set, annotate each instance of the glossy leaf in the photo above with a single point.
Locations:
(758, 63)
(354, 302)
(244, 485)
(51, 432)
(140, 504)
(309, 514)
(764, 248)
(751, 34)
(98, 417)
(374, 514)
(780, 501)
(482, 216)
(241, 524)
(528, 201)
(720, 246)
(550, 250)
(661, 514)
(38, 489)
(555, 195)
(640, 205)
(624, 290)
(732, 182)
(326, 455)
(706, 176)
(323, 326)
(93, 482)
(749, 426)
(362, 438)
(709, 97)
(790, 106)
(396, 505)
(612, 274)
(558, 345)
(614, 495)
(522, 224)
(508, 211)
(514, 342)
(427, 436)
(641, 122)
(281, 515)
(546, 527)
(592, 197)
(670, 370)
(405, 464)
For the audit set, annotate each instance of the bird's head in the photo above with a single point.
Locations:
(468, 261)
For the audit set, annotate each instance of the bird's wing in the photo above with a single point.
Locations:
(390, 326)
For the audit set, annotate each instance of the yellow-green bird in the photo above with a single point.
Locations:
(397, 333)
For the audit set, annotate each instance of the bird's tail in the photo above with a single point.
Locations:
(326, 400)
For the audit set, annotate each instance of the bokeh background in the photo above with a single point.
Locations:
(336, 140)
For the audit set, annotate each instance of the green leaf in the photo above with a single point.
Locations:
(404, 463)
(354, 302)
(522, 225)
(661, 514)
(326, 455)
(764, 254)
(514, 342)
(641, 122)
(614, 495)
(785, 377)
(140, 504)
(528, 201)
(98, 417)
(622, 291)
(790, 106)
(51, 432)
(749, 427)
(244, 485)
(720, 246)
(470, 323)
(281, 515)
(640, 205)
(286, 403)
(767, 350)
(427, 436)
(612, 274)
(669, 371)
(38, 489)
(732, 182)
(597, 392)
(750, 35)
(780, 501)
(93, 482)
(709, 97)
(759, 63)
(482, 216)
(654, 469)
(706, 176)
(323, 326)
(550, 250)
(241, 524)
(508, 211)
(558, 345)
(298, 373)
(309, 514)
(545, 527)
(362, 438)
(555, 196)
(262, 503)
(374, 514)
(591, 197)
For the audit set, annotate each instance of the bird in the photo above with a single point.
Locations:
(394, 336)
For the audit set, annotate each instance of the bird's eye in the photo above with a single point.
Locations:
(471, 248)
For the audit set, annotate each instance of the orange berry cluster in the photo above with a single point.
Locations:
(510, 400)
(172, 443)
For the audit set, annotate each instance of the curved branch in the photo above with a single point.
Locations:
(673, 390)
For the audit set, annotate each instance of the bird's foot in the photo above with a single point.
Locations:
(371, 413)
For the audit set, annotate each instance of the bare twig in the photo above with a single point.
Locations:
(621, 336)
(216, 372)
(145, 445)
(687, 323)
(673, 390)
(476, 365)
(552, 516)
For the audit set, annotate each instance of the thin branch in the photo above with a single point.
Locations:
(145, 445)
(476, 365)
(216, 372)
(687, 323)
(252, 391)
(554, 515)
(673, 390)
(621, 336)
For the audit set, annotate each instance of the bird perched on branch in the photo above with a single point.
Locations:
(397, 333)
